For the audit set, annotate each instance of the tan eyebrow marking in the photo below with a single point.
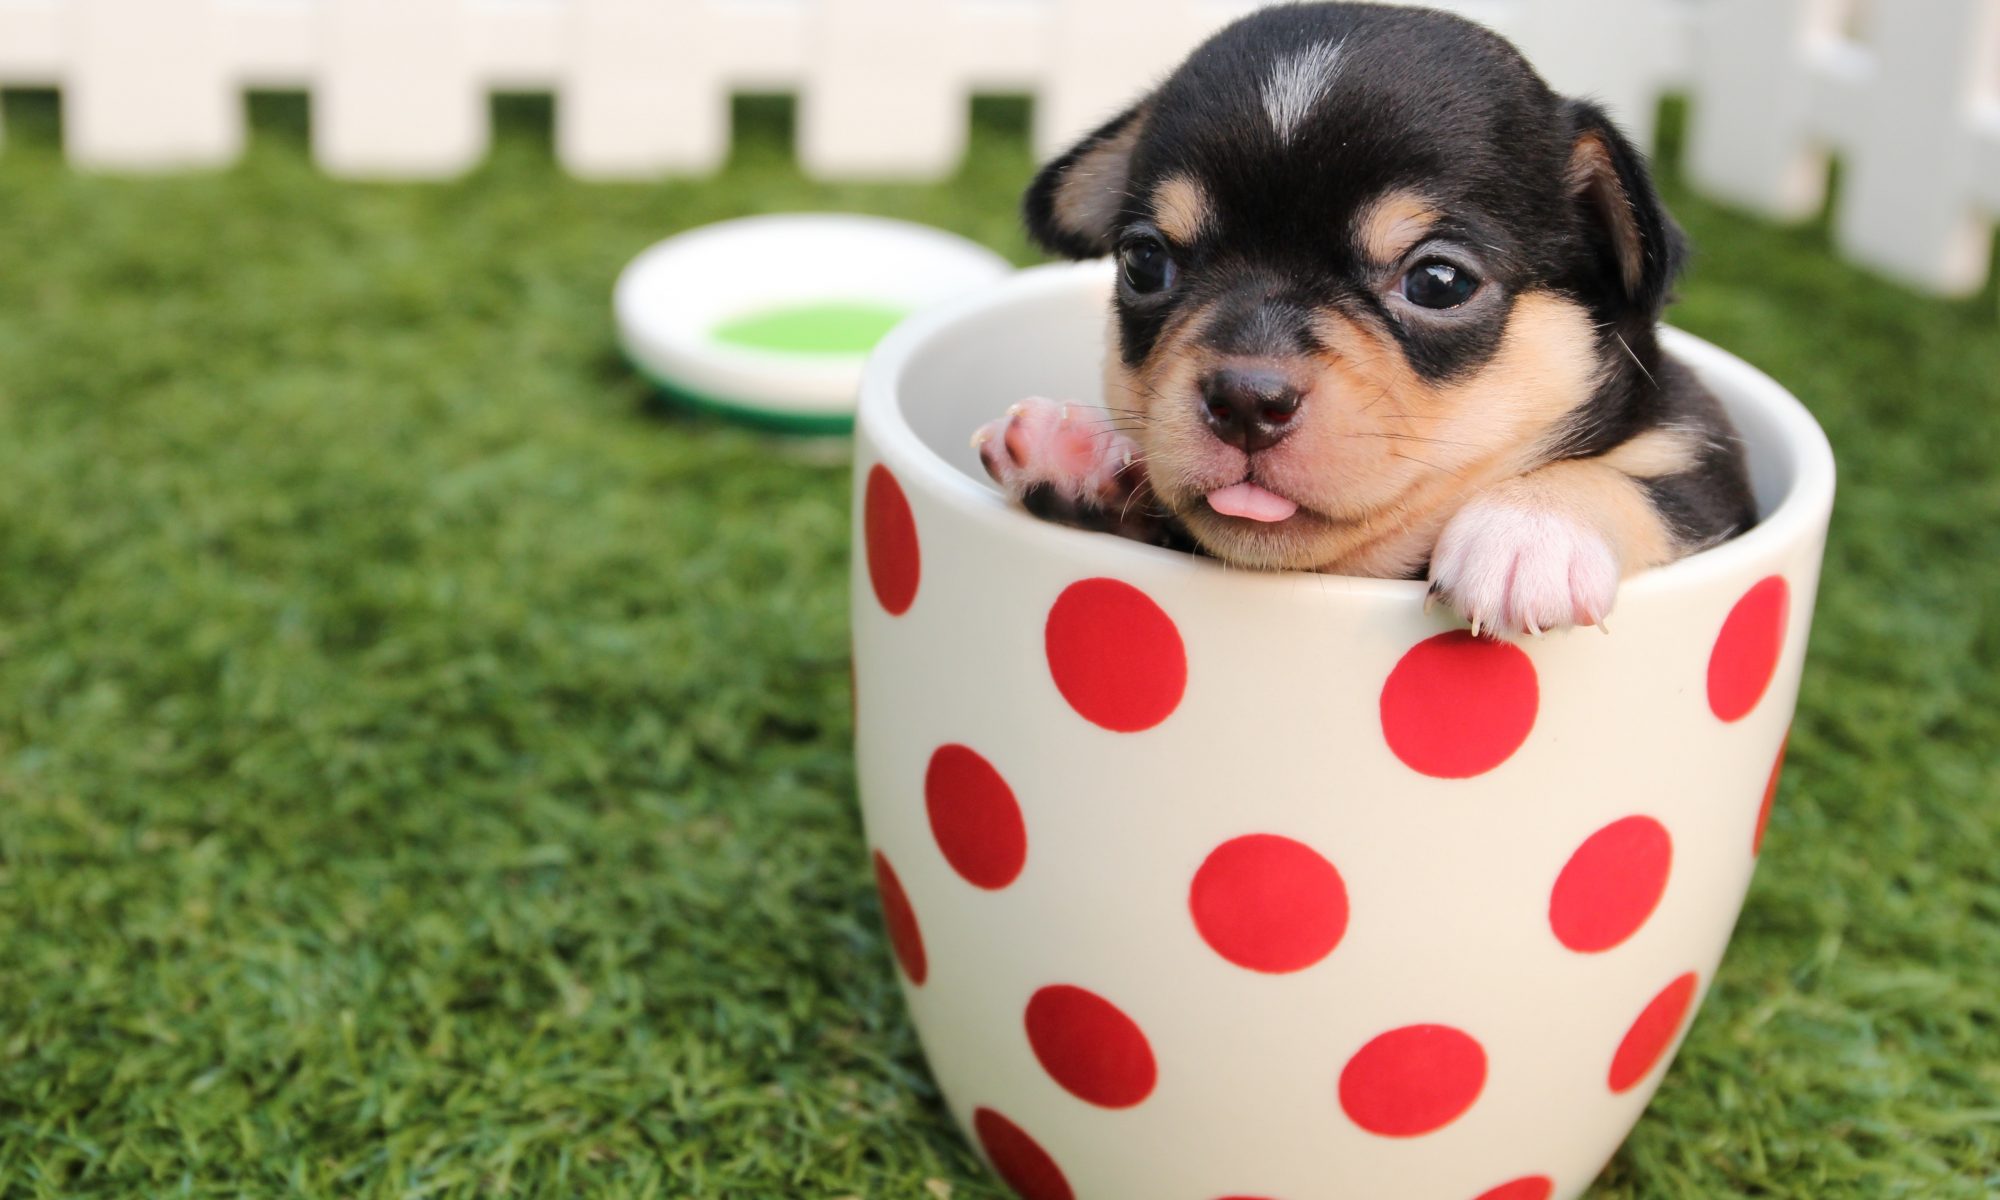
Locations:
(1393, 224)
(1182, 210)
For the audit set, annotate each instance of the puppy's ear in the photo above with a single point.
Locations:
(1638, 244)
(1073, 205)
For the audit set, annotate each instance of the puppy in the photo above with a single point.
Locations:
(1386, 305)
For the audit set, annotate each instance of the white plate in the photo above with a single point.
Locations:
(671, 299)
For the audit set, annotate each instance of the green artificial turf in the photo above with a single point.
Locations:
(424, 763)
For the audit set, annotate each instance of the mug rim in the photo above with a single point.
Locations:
(1804, 507)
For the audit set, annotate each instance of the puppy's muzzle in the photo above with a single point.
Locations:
(1250, 407)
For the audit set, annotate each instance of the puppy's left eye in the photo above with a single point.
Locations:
(1435, 283)
(1146, 266)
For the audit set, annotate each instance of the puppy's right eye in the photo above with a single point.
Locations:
(1146, 266)
(1438, 284)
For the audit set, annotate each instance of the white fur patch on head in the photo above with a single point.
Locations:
(1298, 83)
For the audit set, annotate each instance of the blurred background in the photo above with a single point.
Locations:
(424, 759)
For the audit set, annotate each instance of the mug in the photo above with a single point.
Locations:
(1208, 883)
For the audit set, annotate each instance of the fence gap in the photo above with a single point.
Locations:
(1669, 148)
(1002, 128)
(281, 119)
(1003, 117)
(763, 127)
(524, 123)
(32, 119)
(1837, 178)
(1990, 297)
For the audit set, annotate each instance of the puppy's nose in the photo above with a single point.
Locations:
(1250, 407)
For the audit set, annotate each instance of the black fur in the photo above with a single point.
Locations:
(1710, 501)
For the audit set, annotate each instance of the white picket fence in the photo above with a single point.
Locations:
(1906, 92)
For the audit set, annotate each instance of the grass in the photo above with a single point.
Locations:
(424, 765)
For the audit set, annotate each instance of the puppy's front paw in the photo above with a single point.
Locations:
(1512, 568)
(1062, 461)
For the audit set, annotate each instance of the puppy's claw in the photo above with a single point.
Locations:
(1515, 567)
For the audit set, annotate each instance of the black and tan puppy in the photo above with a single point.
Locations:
(1386, 306)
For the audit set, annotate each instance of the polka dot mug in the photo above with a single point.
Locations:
(1210, 884)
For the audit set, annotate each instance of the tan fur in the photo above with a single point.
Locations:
(1393, 224)
(1122, 394)
(1165, 387)
(1654, 454)
(1092, 191)
(1593, 178)
(1597, 495)
(1182, 210)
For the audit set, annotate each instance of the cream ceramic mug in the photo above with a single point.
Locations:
(1210, 884)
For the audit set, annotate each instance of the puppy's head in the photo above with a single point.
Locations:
(1366, 261)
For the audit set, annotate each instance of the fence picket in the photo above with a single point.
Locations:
(1909, 208)
(395, 94)
(1571, 41)
(640, 97)
(887, 84)
(880, 97)
(1986, 179)
(32, 41)
(148, 86)
(1103, 56)
(1756, 71)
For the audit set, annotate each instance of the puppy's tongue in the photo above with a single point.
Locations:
(1251, 502)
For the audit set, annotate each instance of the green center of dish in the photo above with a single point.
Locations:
(825, 327)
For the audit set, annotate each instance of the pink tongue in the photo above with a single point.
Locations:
(1251, 502)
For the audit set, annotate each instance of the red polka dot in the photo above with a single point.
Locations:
(1611, 885)
(1458, 706)
(1019, 1159)
(1088, 1046)
(1269, 903)
(1532, 1187)
(1746, 651)
(975, 818)
(1413, 1080)
(890, 533)
(1651, 1034)
(1115, 656)
(1770, 794)
(904, 936)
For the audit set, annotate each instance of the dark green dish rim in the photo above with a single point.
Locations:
(769, 420)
